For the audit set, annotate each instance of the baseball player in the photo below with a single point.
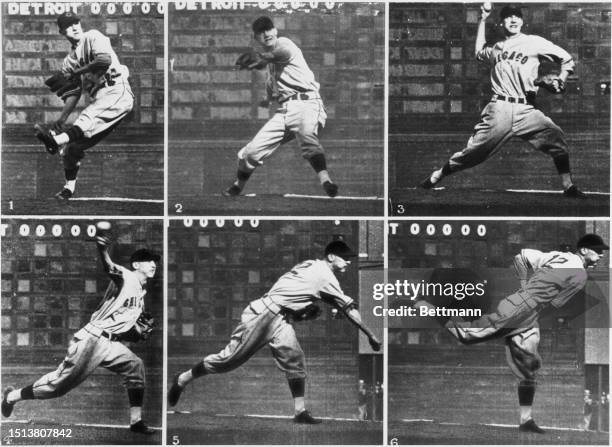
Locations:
(99, 342)
(511, 112)
(301, 113)
(268, 321)
(548, 280)
(94, 64)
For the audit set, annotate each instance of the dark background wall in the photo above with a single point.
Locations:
(215, 272)
(50, 287)
(437, 90)
(32, 50)
(216, 107)
(476, 377)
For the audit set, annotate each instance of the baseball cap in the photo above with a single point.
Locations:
(510, 10)
(66, 19)
(339, 248)
(592, 241)
(144, 255)
(261, 24)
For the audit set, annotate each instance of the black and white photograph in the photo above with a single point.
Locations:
(82, 331)
(539, 76)
(271, 336)
(277, 108)
(504, 326)
(83, 115)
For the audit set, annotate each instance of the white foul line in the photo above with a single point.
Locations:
(266, 416)
(305, 196)
(114, 199)
(490, 425)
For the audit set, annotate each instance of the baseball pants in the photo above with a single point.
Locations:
(88, 350)
(261, 323)
(109, 106)
(299, 119)
(515, 320)
(501, 120)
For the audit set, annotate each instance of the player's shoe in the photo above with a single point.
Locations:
(7, 409)
(64, 194)
(305, 418)
(574, 193)
(175, 392)
(331, 189)
(530, 427)
(232, 191)
(428, 183)
(142, 428)
(46, 137)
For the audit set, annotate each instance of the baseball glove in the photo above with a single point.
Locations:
(63, 86)
(551, 82)
(141, 330)
(250, 60)
(310, 312)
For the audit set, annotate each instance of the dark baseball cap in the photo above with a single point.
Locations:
(144, 255)
(510, 10)
(339, 248)
(66, 19)
(261, 24)
(592, 241)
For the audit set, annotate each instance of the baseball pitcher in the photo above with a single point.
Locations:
(119, 317)
(268, 321)
(511, 112)
(301, 113)
(548, 280)
(91, 67)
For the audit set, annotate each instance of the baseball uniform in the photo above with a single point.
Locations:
(550, 279)
(301, 113)
(268, 319)
(514, 66)
(97, 344)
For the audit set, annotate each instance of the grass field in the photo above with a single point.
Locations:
(428, 432)
(274, 205)
(22, 433)
(463, 201)
(202, 428)
(83, 207)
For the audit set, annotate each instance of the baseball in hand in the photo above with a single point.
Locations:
(103, 226)
(486, 6)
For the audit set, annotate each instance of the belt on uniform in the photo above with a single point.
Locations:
(301, 97)
(511, 99)
(111, 337)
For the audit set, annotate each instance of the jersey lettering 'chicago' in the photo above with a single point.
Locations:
(122, 304)
(92, 44)
(308, 281)
(552, 277)
(288, 72)
(515, 61)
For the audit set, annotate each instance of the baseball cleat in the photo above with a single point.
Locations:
(574, 193)
(331, 189)
(64, 194)
(7, 408)
(232, 191)
(46, 137)
(142, 428)
(305, 418)
(175, 392)
(530, 427)
(428, 183)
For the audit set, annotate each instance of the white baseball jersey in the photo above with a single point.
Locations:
(122, 304)
(92, 44)
(288, 72)
(515, 61)
(553, 277)
(305, 283)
